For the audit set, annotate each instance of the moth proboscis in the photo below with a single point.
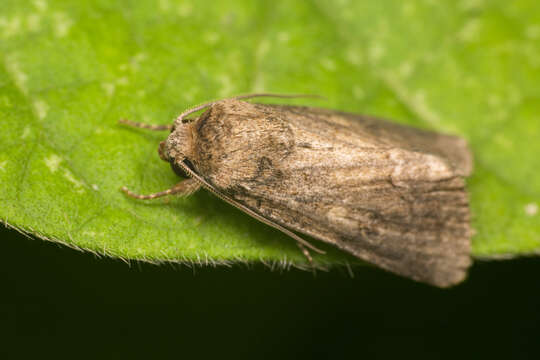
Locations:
(389, 194)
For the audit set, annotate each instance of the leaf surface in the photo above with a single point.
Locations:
(70, 70)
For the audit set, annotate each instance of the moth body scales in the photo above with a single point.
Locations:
(388, 194)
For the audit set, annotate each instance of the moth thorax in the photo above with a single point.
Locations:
(179, 144)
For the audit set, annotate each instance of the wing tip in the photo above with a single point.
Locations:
(448, 272)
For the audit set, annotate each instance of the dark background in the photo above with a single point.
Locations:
(57, 300)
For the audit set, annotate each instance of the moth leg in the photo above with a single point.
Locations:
(183, 188)
(306, 253)
(145, 126)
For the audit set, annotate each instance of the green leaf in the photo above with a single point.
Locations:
(69, 70)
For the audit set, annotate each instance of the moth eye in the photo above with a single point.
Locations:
(178, 170)
(189, 164)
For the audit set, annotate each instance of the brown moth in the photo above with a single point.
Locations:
(388, 194)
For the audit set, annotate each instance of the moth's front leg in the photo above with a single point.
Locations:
(183, 188)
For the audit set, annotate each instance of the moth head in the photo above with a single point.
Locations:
(178, 147)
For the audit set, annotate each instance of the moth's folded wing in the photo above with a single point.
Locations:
(403, 211)
(391, 195)
(418, 230)
(361, 129)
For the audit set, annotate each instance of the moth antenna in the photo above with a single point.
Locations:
(207, 186)
(183, 188)
(246, 96)
(289, 96)
(145, 126)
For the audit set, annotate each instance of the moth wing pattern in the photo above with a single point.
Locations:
(389, 194)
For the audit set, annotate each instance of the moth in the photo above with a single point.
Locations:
(388, 194)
